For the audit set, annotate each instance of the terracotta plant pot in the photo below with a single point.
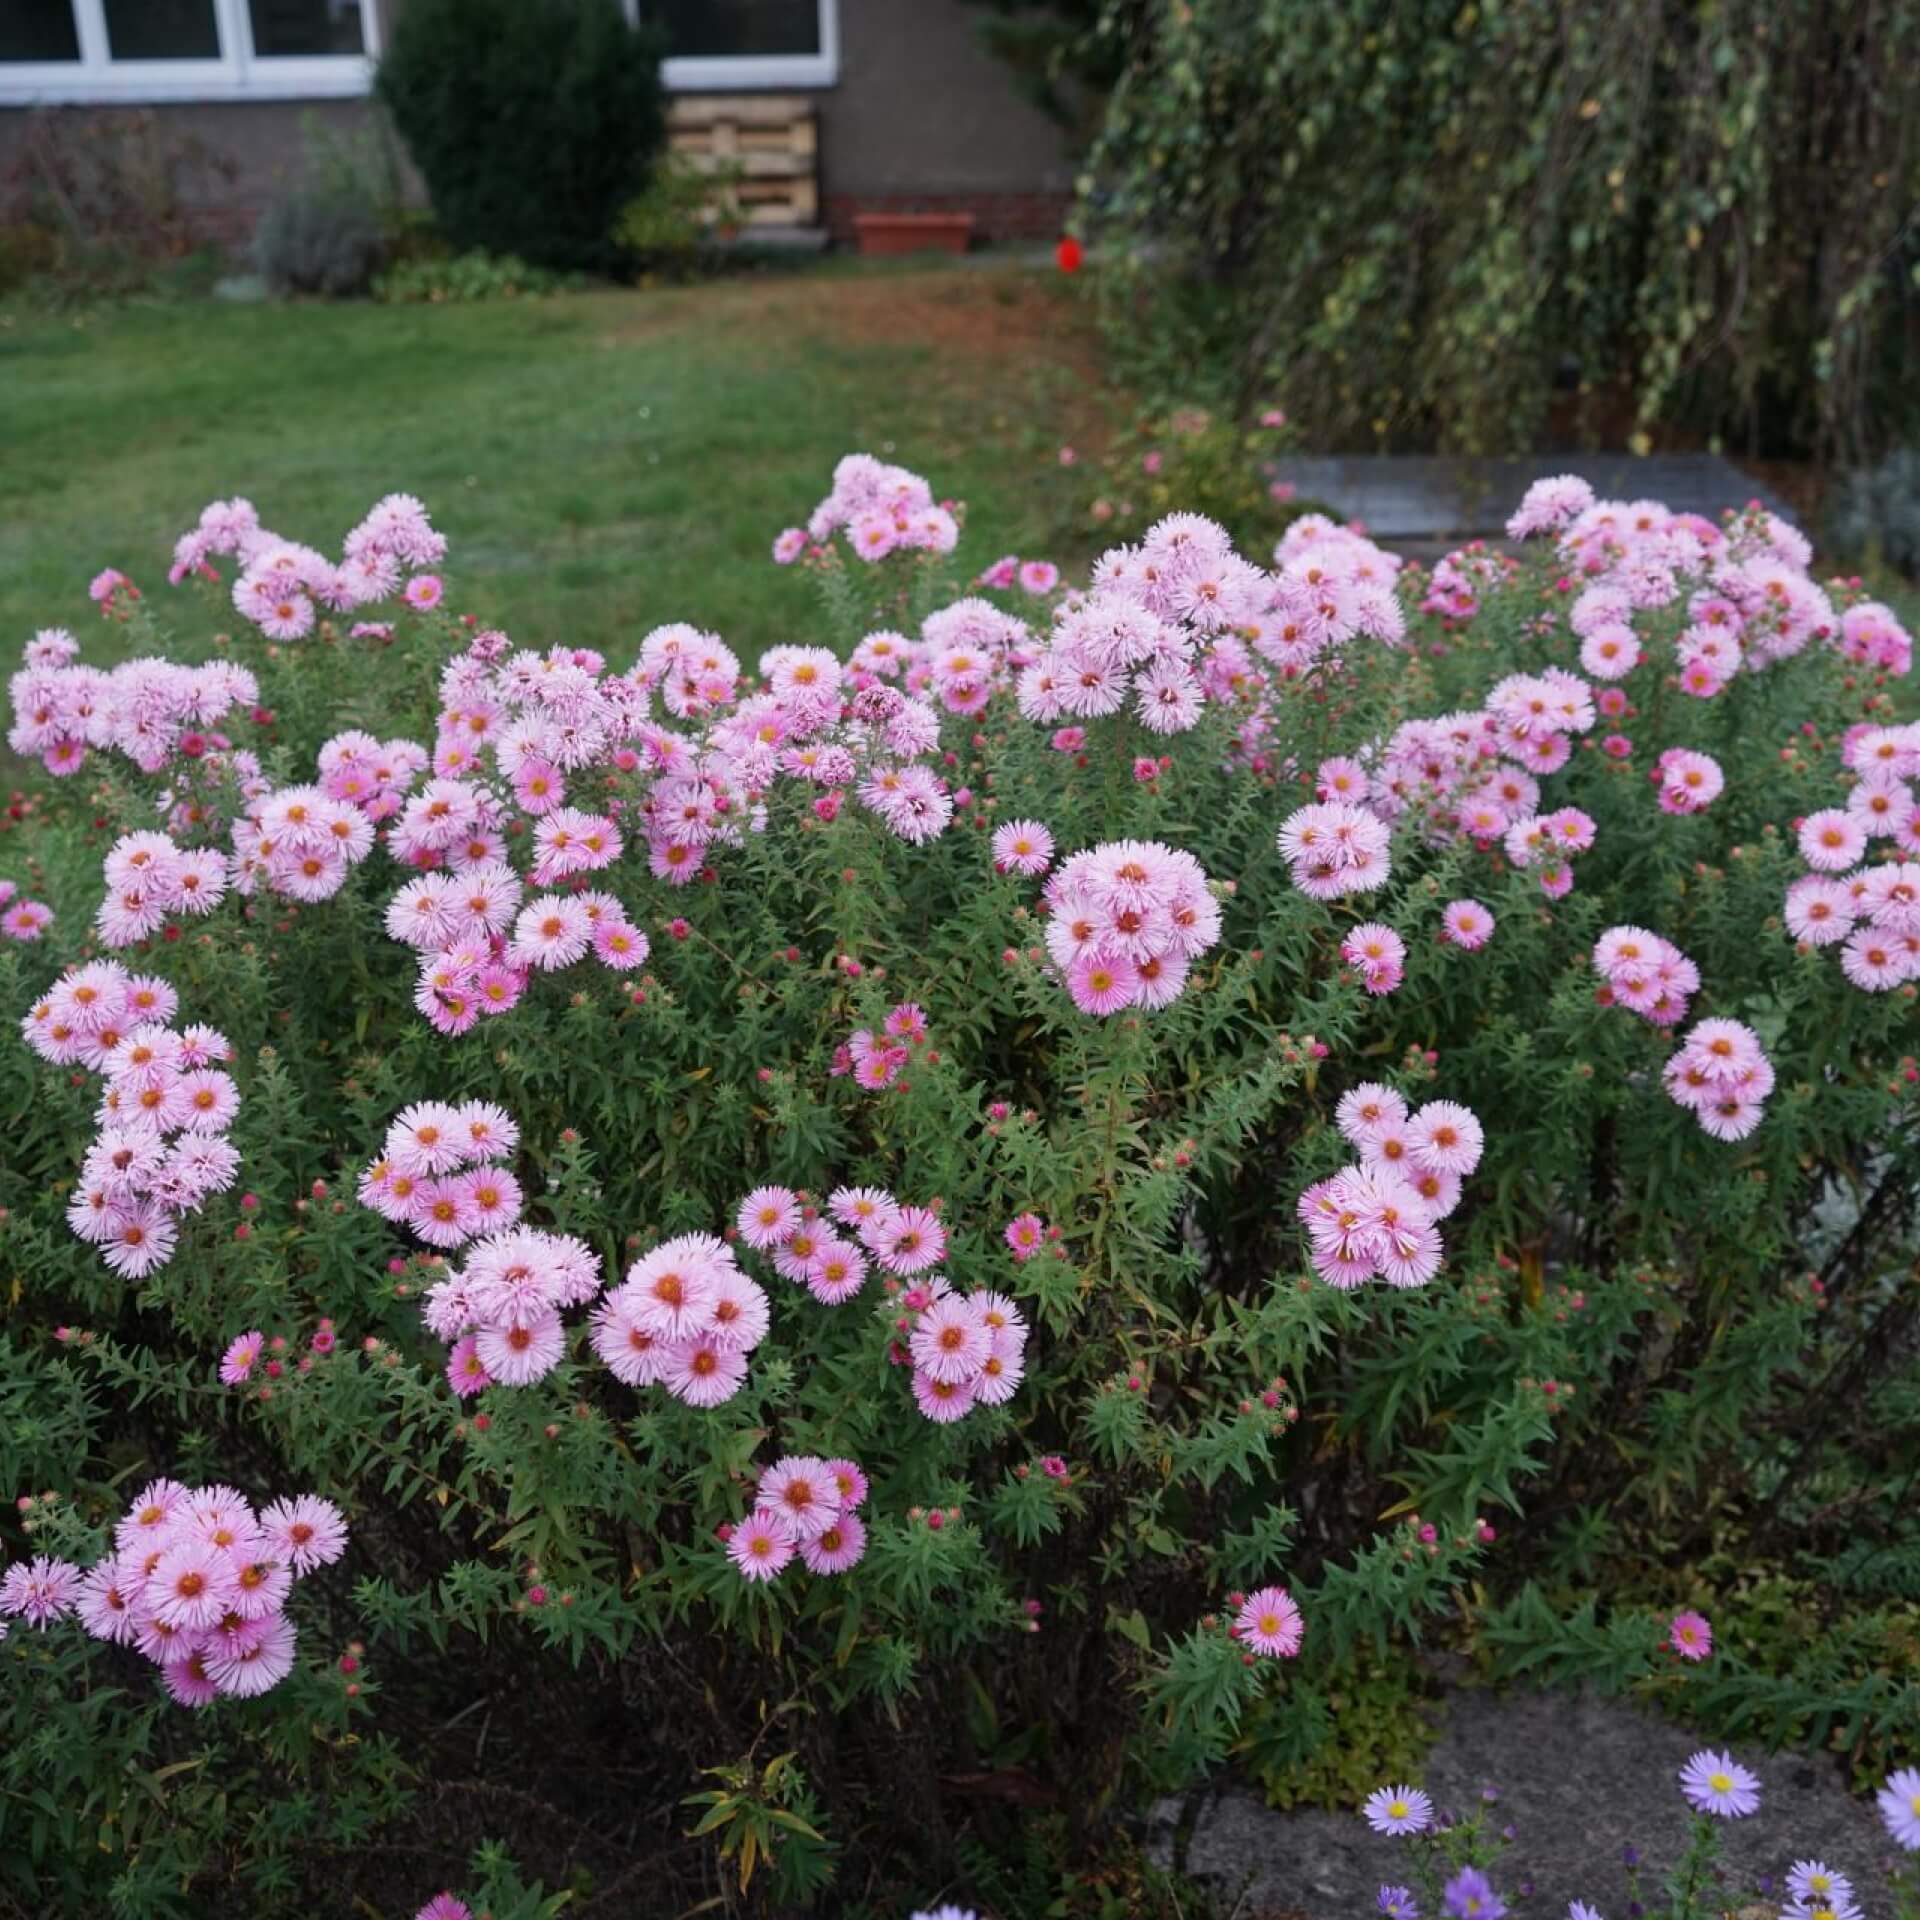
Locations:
(890, 233)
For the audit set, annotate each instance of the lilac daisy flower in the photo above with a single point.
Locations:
(1716, 1783)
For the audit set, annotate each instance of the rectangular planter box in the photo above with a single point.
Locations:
(890, 233)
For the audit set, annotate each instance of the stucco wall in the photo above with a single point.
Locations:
(923, 107)
(264, 148)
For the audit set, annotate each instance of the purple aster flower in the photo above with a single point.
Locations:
(1899, 1803)
(1398, 1903)
(1470, 1896)
(1716, 1783)
(1398, 1810)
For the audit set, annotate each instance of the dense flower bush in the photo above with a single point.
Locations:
(823, 1210)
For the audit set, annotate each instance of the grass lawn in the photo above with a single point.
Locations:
(600, 462)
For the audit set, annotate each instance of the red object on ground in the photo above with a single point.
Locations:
(1068, 254)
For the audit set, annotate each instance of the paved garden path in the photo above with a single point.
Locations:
(1578, 1779)
(1419, 497)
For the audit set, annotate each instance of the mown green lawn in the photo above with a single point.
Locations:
(600, 462)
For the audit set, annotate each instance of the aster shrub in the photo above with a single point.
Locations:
(899, 1230)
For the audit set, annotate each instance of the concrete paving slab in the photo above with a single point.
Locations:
(1579, 1778)
(1425, 496)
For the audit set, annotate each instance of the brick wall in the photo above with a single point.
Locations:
(998, 217)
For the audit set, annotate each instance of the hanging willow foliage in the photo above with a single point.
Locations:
(1414, 219)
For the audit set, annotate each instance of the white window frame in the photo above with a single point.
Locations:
(97, 79)
(744, 73)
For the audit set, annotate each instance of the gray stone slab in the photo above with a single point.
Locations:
(1411, 496)
(1579, 1778)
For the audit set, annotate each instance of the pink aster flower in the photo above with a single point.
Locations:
(40, 1591)
(191, 1586)
(428, 1137)
(142, 1240)
(1875, 962)
(1730, 1116)
(524, 1350)
(309, 1532)
(261, 1587)
(911, 1241)
(767, 1216)
(147, 1516)
(206, 1100)
(671, 1289)
(1023, 847)
(836, 1272)
(26, 920)
(619, 946)
(1365, 1109)
(631, 1354)
(551, 933)
(1819, 910)
(465, 1368)
(491, 1199)
(762, 1544)
(702, 1372)
(237, 1363)
(1103, 986)
(739, 1316)
(950, 1342)
(443, 1906)
(1377, 954)
(1039, 576)
(839, 1546)
(106, 1598)
(867, 1211)
(1466, 924)
(440, 1211)
(1269, 1622)
(943, 1401)
(1690, 1636)
(188, 1682)
(1689, 782)
(424, 592)
(800, 1488)
(1446, 1136)
(848, 1482)
(258, 1663)
(1832, 840)
(1025, 1234)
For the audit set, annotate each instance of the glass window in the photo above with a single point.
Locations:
(38, 30)
(295, 28)
(162, 30)
(732, 29)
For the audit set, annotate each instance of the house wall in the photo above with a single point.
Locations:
(923, 118)
(261, 149)
(926, 119)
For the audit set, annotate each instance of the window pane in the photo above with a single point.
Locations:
(708, 28)
(162, 30)
(38, 30)
(290, 28)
